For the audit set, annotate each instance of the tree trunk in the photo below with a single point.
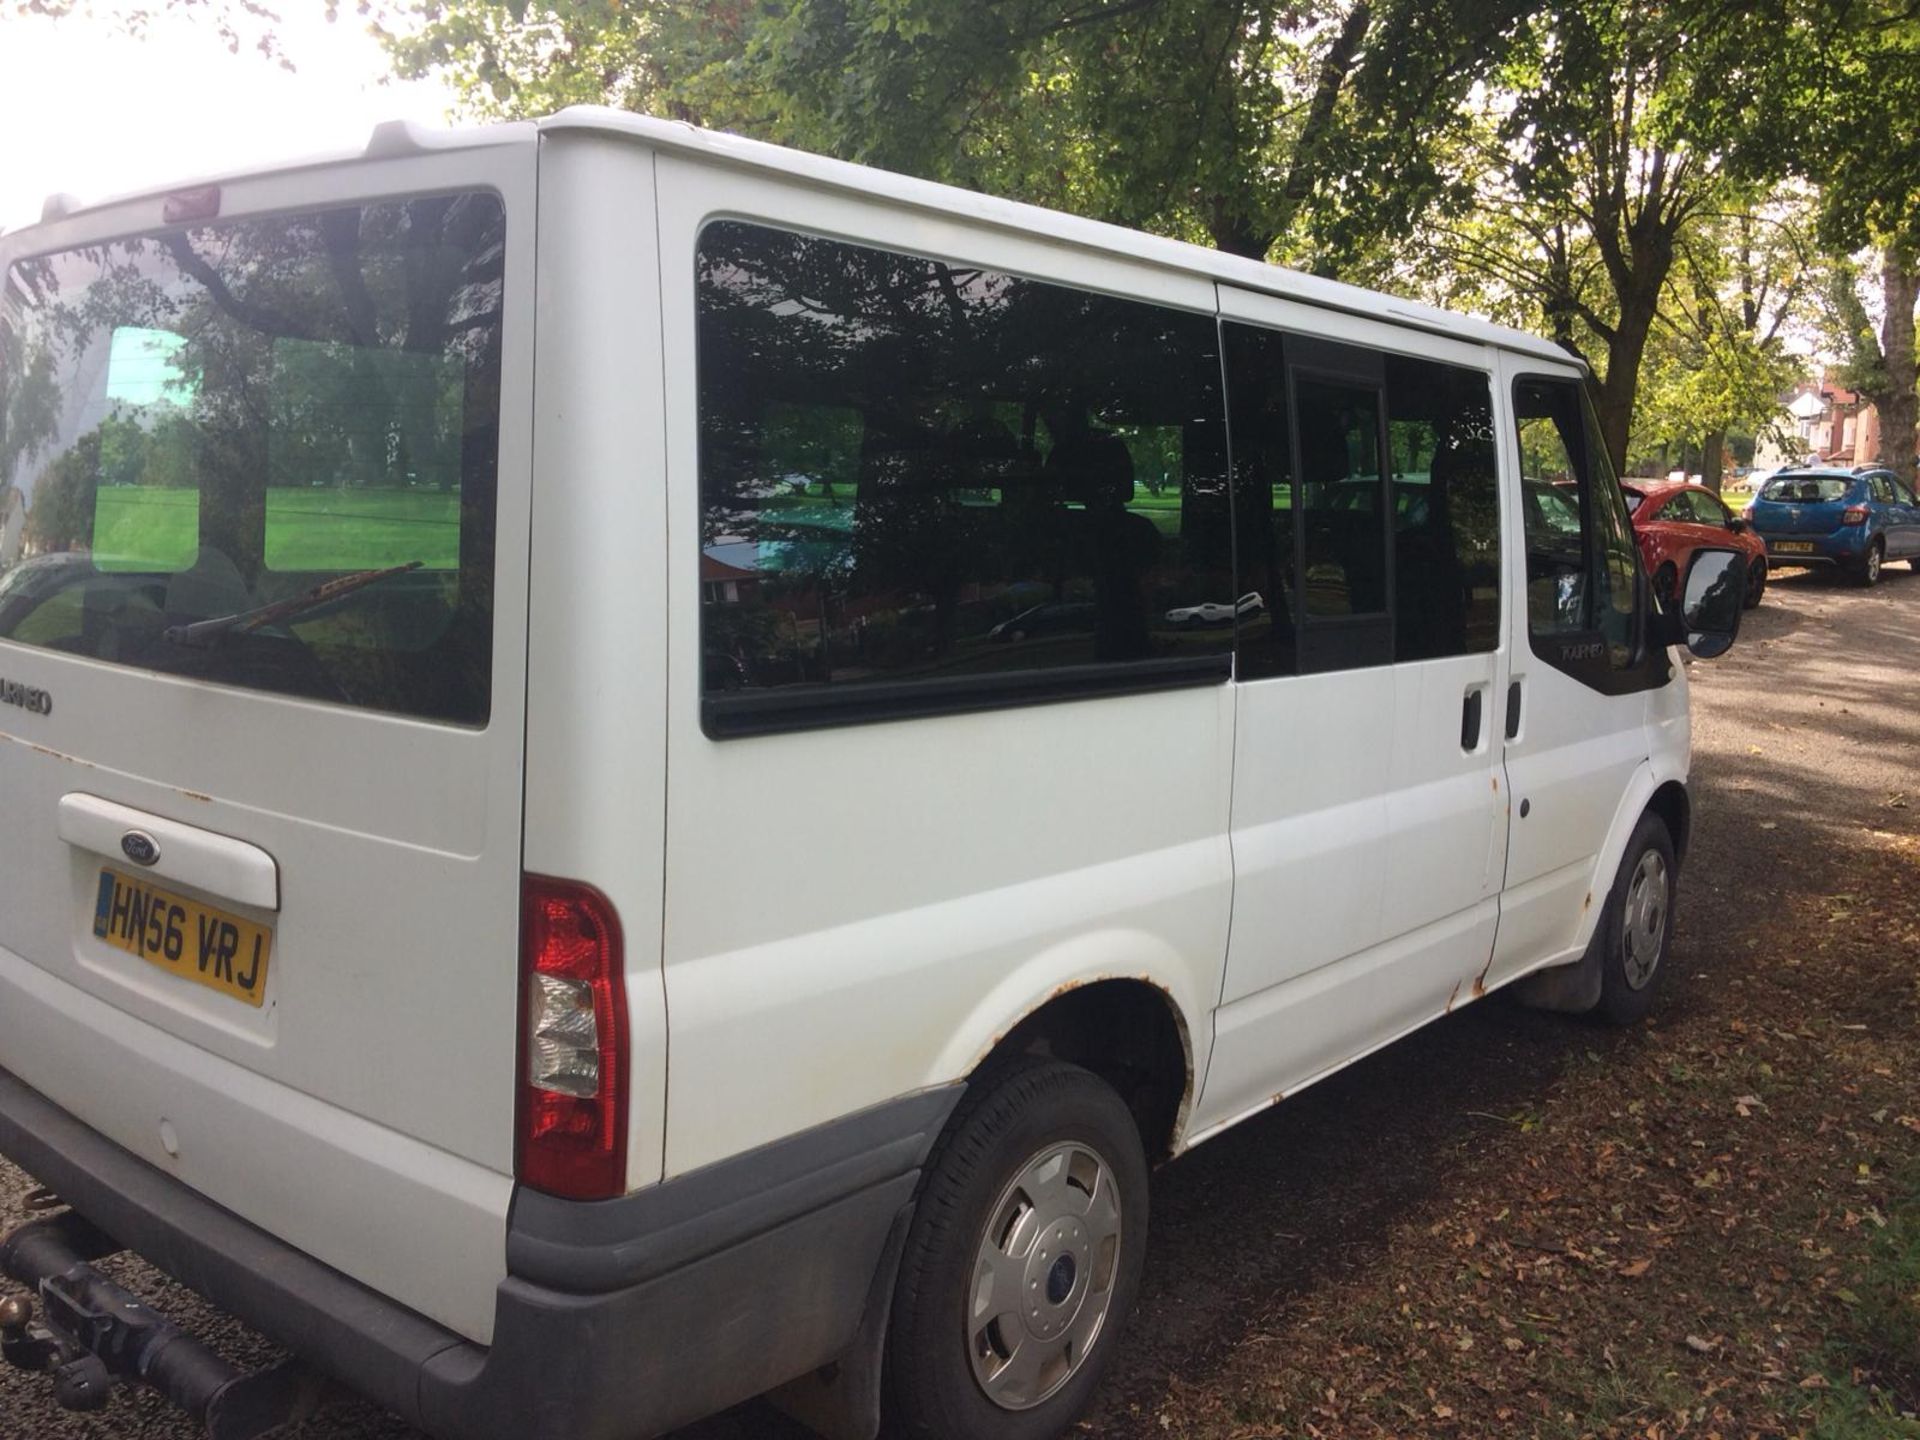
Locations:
(1637, 289)
(1233, 233)
(1900, 274)
(1616, 391)
(1713, 452)
(1310, 148)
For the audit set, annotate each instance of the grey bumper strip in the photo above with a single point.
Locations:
(620, 1318)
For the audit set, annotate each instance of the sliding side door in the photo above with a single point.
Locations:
(1369, 816)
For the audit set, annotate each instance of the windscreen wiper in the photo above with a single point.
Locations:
(204, 632)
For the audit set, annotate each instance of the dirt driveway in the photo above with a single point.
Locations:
(1513, 1224)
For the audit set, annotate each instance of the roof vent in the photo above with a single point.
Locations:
(397, 139)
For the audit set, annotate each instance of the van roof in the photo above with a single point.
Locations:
(1034, 219)
(397, 138)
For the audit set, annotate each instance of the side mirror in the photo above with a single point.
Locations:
(1712, 598)
(1737, 525)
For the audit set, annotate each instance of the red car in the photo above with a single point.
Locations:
(1672, 519)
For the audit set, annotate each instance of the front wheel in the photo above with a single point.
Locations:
(1870, 566)
(1637, 925)
(1756, 582)
(1022, 1261)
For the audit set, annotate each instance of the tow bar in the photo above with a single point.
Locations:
(94, 1335)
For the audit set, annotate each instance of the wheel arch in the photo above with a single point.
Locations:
(1674, 806)
(1127, 1029)
(1647, 791)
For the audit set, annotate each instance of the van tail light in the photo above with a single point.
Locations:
(572, 1139)
(1854, 515)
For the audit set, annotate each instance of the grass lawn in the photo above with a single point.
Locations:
(145, 528)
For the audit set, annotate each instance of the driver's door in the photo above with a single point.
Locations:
(1575, 715)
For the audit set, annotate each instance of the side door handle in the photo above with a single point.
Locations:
(1470, 720)
(1513, 709)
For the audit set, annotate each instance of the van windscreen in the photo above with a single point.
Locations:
(288, 426)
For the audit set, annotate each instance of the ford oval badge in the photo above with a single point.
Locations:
(140, 847)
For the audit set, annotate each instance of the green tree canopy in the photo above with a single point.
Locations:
(1252, 126)
(1829, 90)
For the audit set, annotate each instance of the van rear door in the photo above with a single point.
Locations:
(262, 600)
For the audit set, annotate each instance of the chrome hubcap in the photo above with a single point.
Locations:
(1043, 1275)
(1644, 926)
(1873, 563)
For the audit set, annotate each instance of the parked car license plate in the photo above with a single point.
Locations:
(207, 946)
(1793, 547)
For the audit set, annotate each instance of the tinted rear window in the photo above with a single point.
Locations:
(1806, 489)
(202, 423)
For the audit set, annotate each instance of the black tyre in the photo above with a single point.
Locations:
(1756, 582)
(1022, 1262)
(1869, 572)
(1914, 564)
(1637, 926)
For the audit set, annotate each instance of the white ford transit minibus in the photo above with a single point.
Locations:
(641, 769)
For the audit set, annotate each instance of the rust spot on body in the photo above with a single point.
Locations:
(1278, 1096)
(196, 795)
(1453, 997)
(1480, 980)
(1587, 903)
(60, 755)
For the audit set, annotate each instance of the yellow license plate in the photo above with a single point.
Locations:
(205, 945)
(1793, 547)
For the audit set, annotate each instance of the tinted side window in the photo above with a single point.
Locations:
(1342, 506)
(1263, 495)
(1388, 465)
(1581, 560)
(1881, 488)
(1446, 507)
(930, 486)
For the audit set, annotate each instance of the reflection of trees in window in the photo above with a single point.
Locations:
(1446, 510)
(29, 395)
(353, 350)
(1582, 565)
(917, 454)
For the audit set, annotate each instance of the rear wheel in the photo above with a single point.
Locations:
(1876, 555)
(1637, 924)
(1022, 1261)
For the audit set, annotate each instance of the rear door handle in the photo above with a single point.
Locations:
(1513, 709)
(1470, 719)
(218, 864)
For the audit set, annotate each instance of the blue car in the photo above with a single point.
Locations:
(1853, 520)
